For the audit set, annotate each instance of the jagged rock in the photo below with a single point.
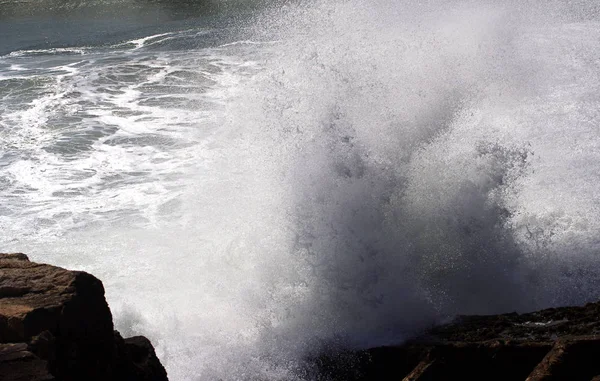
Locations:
(63, 320)
(552, 344)
(138, 360)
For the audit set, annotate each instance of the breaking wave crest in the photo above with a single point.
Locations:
(433, 161)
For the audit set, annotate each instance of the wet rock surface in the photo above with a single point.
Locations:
(55, 324)
(552, 344)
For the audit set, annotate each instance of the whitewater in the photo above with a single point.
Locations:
(279, 179)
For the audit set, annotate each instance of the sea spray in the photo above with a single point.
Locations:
(410, 136)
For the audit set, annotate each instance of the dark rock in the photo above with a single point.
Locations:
(571, 358)
(63, 320)
(552, 344)
(544, 325)
(146, 365)
(18, 364)
(44, 346)
(138, 360)
(16, 256)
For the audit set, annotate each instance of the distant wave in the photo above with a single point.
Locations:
(19, 53)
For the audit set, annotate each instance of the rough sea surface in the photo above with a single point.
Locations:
(257, 181)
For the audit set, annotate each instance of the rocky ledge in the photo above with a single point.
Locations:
(552, 344)
(55, 324)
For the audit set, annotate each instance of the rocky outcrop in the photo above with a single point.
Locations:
(552, 344)
(55, 324)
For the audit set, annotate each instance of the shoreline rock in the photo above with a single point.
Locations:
(55, 324)
(551, 344)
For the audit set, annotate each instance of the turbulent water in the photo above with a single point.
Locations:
(256, 182)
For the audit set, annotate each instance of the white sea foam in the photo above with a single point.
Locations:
(20, 53)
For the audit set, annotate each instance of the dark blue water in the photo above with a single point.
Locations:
(54, 23)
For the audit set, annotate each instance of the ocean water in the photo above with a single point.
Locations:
(258, 182)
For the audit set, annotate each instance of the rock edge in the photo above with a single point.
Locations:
(55, 324)
(547, 345)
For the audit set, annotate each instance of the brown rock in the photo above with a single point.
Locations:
(18, 364)
(64, 320)
(70, 305)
